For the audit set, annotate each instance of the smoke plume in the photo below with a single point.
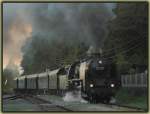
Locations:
(16, 29)
(72, 22)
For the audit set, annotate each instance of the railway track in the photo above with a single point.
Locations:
(45, 105)
(13, 97)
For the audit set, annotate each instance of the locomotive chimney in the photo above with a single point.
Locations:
(94, 52)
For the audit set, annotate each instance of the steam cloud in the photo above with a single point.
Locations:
(70, 21)
(74, 97)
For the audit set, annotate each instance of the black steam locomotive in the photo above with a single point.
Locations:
(96, 78)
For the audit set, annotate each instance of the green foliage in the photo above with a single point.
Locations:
(122, 64)
(134, 97)
(9, 74)
(128, 35)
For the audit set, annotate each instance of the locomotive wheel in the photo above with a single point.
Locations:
(92, 99)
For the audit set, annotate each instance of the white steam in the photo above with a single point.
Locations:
(74, 96)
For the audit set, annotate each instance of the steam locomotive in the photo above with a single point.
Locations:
(96, 78)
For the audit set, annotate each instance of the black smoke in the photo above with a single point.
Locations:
(74, 24)
(81, 22)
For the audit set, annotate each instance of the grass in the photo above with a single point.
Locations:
(130, 97)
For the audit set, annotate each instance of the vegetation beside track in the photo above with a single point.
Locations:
(132, 97)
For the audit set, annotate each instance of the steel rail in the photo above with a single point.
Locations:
(47, 104)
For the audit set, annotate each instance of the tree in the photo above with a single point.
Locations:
(9, 73)
(128, 33)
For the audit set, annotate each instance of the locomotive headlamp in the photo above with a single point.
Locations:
(91, 85)
(100, 62)
(112, 85)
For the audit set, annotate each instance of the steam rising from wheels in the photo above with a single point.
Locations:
(74, 96)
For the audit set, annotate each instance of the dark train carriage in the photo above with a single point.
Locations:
(43, 82)
(31, 84)
(49, 82)
(63, 80)
(15, 83)
(53, 81)
(20, 84)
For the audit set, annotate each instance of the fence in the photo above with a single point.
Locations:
(134, 80)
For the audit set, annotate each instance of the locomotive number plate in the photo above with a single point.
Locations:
(99, 68)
